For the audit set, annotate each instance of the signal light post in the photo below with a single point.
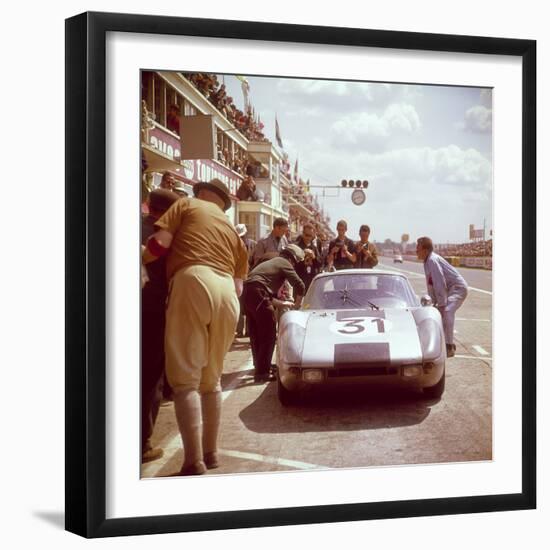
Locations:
(358, 196)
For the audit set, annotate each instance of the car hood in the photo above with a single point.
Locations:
(348, 337)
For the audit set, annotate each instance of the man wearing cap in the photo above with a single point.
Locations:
(179, 188)
(259, 300)
(274, 242)
(250, 244)
(206, 263)
(153, 309)
(446, 287)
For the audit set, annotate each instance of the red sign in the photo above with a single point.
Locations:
(194, 170)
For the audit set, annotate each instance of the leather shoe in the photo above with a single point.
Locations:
(152, 453)
(211, 460)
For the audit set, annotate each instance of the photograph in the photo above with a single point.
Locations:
(286, 300)
(316, 274)
(269, 308)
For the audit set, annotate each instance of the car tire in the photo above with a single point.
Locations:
(286, 397)
(434, 392)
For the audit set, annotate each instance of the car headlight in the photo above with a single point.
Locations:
(293, 339)
(410, 371)
(313, 375)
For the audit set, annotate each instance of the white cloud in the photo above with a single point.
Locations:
(422, 190)
(334, 95)
(478, 119)
(451, 165)
(372, 131)
(407, 173)
(312, 87)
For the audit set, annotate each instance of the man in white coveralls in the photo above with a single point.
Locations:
(446, 287)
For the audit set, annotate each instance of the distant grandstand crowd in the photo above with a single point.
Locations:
(478, 248)
(472, 249)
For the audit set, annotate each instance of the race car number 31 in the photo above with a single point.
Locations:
(360, 326)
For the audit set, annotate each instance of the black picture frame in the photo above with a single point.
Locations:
(86, 284)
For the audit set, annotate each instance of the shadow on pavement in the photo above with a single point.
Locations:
(246, 378)
(240, 344)
(338, 410)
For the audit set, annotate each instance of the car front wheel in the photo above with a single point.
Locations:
(436, 391)
(286, 397)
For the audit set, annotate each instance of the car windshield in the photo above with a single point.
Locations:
(368, 290)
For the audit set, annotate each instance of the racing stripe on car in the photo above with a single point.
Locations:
(404, 341)
(349, 313)
(362, 352)
(394, 328)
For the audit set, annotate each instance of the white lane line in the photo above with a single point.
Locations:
(481, 350)
(480, 290)
(174, 444)
(473, 357)
(417, 275)
(271, 460)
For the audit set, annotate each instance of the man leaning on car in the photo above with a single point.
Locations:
(446, 287)
(202, 311)
(259, 298)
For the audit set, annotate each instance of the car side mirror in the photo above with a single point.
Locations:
(426, 300)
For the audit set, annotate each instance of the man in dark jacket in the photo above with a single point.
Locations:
(153, 306)
(367, 254)
(259, 297)
(341, 251)
(312, 263)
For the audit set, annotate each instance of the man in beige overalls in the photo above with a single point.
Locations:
(206, 262)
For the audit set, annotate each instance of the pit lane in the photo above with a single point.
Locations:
(358, 429)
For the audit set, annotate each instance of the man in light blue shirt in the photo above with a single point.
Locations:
(274, 242)
(446, 287)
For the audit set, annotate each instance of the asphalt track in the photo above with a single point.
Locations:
(477, 278)
(362, 429)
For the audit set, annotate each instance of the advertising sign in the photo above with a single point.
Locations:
(194, 170)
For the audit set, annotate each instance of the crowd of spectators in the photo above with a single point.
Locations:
(250, 126)
(235, 160)
(247, 190)
(477, 248)
(285, 166)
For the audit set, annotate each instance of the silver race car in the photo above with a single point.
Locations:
(360, 326)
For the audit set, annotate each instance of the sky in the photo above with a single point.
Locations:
(425, 150)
